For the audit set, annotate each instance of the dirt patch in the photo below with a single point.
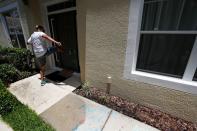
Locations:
(153, 117)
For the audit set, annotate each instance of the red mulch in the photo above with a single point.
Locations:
(153, 117)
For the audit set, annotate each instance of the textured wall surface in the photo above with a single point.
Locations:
(30, 14)
(106, 40)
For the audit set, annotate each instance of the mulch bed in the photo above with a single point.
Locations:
(153, 117)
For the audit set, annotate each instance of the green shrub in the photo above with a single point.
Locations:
(7, 101)
(19, 57)
(8, 73)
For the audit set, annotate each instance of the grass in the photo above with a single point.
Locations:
(20, 117)
(24, 119)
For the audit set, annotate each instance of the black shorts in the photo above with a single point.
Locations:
(41, 61)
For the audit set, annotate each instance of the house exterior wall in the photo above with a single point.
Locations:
(102, 39)
(30, 15)
(106, 41)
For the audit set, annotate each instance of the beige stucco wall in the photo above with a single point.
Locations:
(30, 15)
(106, 40)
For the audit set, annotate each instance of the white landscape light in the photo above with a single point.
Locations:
(109, 81)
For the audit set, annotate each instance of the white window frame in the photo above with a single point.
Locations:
(134, 31)
(7, 8)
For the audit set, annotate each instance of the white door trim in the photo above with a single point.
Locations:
(62, 11)
(46, 21)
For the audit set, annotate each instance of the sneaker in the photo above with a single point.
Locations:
(43, 82)
(40, 78)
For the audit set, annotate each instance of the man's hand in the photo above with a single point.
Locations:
(51, 39)
(59, 43)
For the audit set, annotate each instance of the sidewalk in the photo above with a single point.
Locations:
(4, 126)
(75, 113)
(66, 111)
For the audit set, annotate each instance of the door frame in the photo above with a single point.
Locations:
(45, 20)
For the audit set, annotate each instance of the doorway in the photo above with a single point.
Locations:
(62, 24)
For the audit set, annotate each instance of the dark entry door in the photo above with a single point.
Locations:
(63, 29)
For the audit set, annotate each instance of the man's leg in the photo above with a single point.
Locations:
(51, 50)
(42, 66)
(54, 49)
(42, 72)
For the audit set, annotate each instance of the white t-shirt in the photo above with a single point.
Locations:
(38, 43)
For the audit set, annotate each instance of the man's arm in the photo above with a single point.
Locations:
(51, 39)
(29, 41)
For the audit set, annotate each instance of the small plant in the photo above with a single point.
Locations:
(86, 88)
(85, 85)
(104, 99)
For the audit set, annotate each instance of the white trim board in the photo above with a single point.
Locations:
(46, 21)
(8, 7)
(52, 2)
(170, 32)
(130, 73)
(62, 11)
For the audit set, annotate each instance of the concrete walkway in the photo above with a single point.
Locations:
(66, 111)
(39, 98)
(4, 126)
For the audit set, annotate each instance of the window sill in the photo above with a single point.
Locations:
(164, 81)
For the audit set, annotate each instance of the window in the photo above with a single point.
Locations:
(168, 38)
(162, 43)
(14, 28)
(195, 76)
